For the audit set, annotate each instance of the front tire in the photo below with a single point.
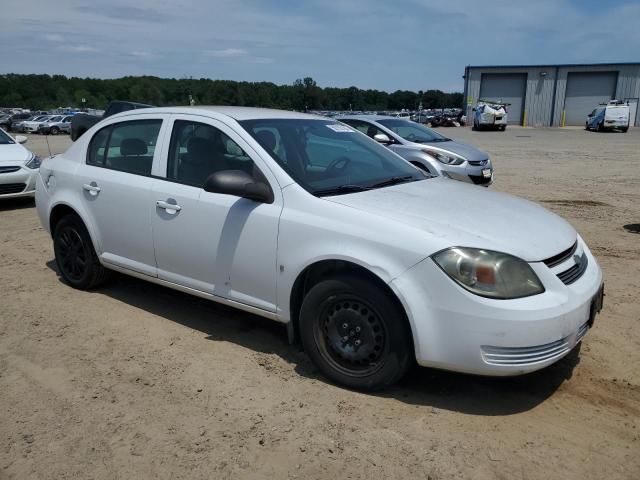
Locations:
(54, 131)
(75, 256)
(355, 333)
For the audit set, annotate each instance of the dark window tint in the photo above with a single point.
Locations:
(197, 150)
(127, 146)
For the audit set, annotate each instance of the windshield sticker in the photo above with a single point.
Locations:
(336, 127)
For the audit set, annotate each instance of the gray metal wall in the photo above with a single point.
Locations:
(544, 83)
(510, 88)
(586, 90)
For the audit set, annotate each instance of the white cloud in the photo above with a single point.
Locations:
(228, 52)
(79, 49)
(54, 37)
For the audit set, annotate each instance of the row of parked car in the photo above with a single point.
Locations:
(46, 124)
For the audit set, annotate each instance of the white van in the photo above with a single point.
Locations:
(609, 116)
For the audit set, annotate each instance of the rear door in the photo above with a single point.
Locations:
(116, 186)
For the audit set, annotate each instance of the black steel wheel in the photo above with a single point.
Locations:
(356, 333)
(76, 258)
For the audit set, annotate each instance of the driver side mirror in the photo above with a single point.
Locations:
(382, 138)
(239, 184)
(21, 139)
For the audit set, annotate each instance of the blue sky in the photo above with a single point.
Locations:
(388, 45)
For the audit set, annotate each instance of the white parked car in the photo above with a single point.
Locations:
(31, 126)
(299, 218)
(18, 167)
(490, 115)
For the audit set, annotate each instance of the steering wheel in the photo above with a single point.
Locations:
(411, 137)
(334, 167)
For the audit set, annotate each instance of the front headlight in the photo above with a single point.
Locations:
(488, 273)
(446, 158)
(34, 162)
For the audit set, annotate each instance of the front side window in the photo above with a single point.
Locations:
(327, 157)
(127, 146)
(197, 150)
(365, 127)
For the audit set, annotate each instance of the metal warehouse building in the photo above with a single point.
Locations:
(553, 95)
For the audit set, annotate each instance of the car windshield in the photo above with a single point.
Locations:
(411, 131)
(4, 138)
(329, 158)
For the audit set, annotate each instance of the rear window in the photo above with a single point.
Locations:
(127, 146)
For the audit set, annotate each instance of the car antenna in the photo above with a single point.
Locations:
(46, 137)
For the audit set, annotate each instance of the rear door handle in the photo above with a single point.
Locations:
(170, 208)
(92, 188)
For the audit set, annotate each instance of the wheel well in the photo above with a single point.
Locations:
(322, 270)
(57, 214)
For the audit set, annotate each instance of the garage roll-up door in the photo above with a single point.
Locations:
(506, 87)
(584, 92)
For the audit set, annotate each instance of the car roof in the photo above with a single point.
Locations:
(372, 118)
(237, 113)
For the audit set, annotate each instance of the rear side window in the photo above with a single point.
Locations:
(126, 146)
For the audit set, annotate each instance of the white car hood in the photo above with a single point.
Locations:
(13, 153)
(457, 214)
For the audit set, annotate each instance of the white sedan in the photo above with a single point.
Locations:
(18, 167)
(371, 264)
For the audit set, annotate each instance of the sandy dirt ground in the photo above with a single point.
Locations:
(138, 381)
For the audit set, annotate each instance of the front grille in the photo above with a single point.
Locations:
(574, 273)
(8, 188)
(523, 356)
(478, 163)
(561, 257)
(479, 179)
(9, 169)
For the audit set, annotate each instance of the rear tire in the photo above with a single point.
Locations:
(355, 333)
(75, 256)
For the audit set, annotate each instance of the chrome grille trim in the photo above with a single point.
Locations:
(561, 257)
(523, 356)
(575, 272)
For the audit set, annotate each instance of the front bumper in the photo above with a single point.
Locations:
(21, 183)
(476, 174)
(454, 329)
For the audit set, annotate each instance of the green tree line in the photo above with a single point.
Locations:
(50, 91)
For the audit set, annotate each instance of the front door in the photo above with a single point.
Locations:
(218, 244)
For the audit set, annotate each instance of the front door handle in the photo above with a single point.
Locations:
(168, 206)
(92, 188)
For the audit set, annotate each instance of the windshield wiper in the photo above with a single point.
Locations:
(340, 189)
(393, 181)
